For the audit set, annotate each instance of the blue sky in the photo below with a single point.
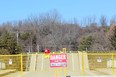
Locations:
(14, 10)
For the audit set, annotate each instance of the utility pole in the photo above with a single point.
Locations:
(37, 48)
(29, 50)
(86, 49)
(17, 34)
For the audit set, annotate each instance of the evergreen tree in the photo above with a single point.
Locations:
(113, 38)
(8, 44)
(85, 43)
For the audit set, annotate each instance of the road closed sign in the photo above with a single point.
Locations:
(58, 60)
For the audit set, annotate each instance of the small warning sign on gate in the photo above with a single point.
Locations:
(10, 61)
(58, 60)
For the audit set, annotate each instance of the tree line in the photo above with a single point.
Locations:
(36, 33)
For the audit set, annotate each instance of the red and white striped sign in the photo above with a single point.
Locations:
(58, 60)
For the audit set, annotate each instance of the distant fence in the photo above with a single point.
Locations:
(40, 48)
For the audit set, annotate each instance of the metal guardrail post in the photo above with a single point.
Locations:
(82, 64)
(21, 60)
(112, 63)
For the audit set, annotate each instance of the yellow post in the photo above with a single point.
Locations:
(46, 55)
(64, 50)
(21, 60)
(64, 71)
(55, 72)
(61, 71)
(112, 63)
(82, 64)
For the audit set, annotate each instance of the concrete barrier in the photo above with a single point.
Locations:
(32, 62)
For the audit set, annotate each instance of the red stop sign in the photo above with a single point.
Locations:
(46, 51)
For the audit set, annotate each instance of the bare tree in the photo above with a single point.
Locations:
(103, 21)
